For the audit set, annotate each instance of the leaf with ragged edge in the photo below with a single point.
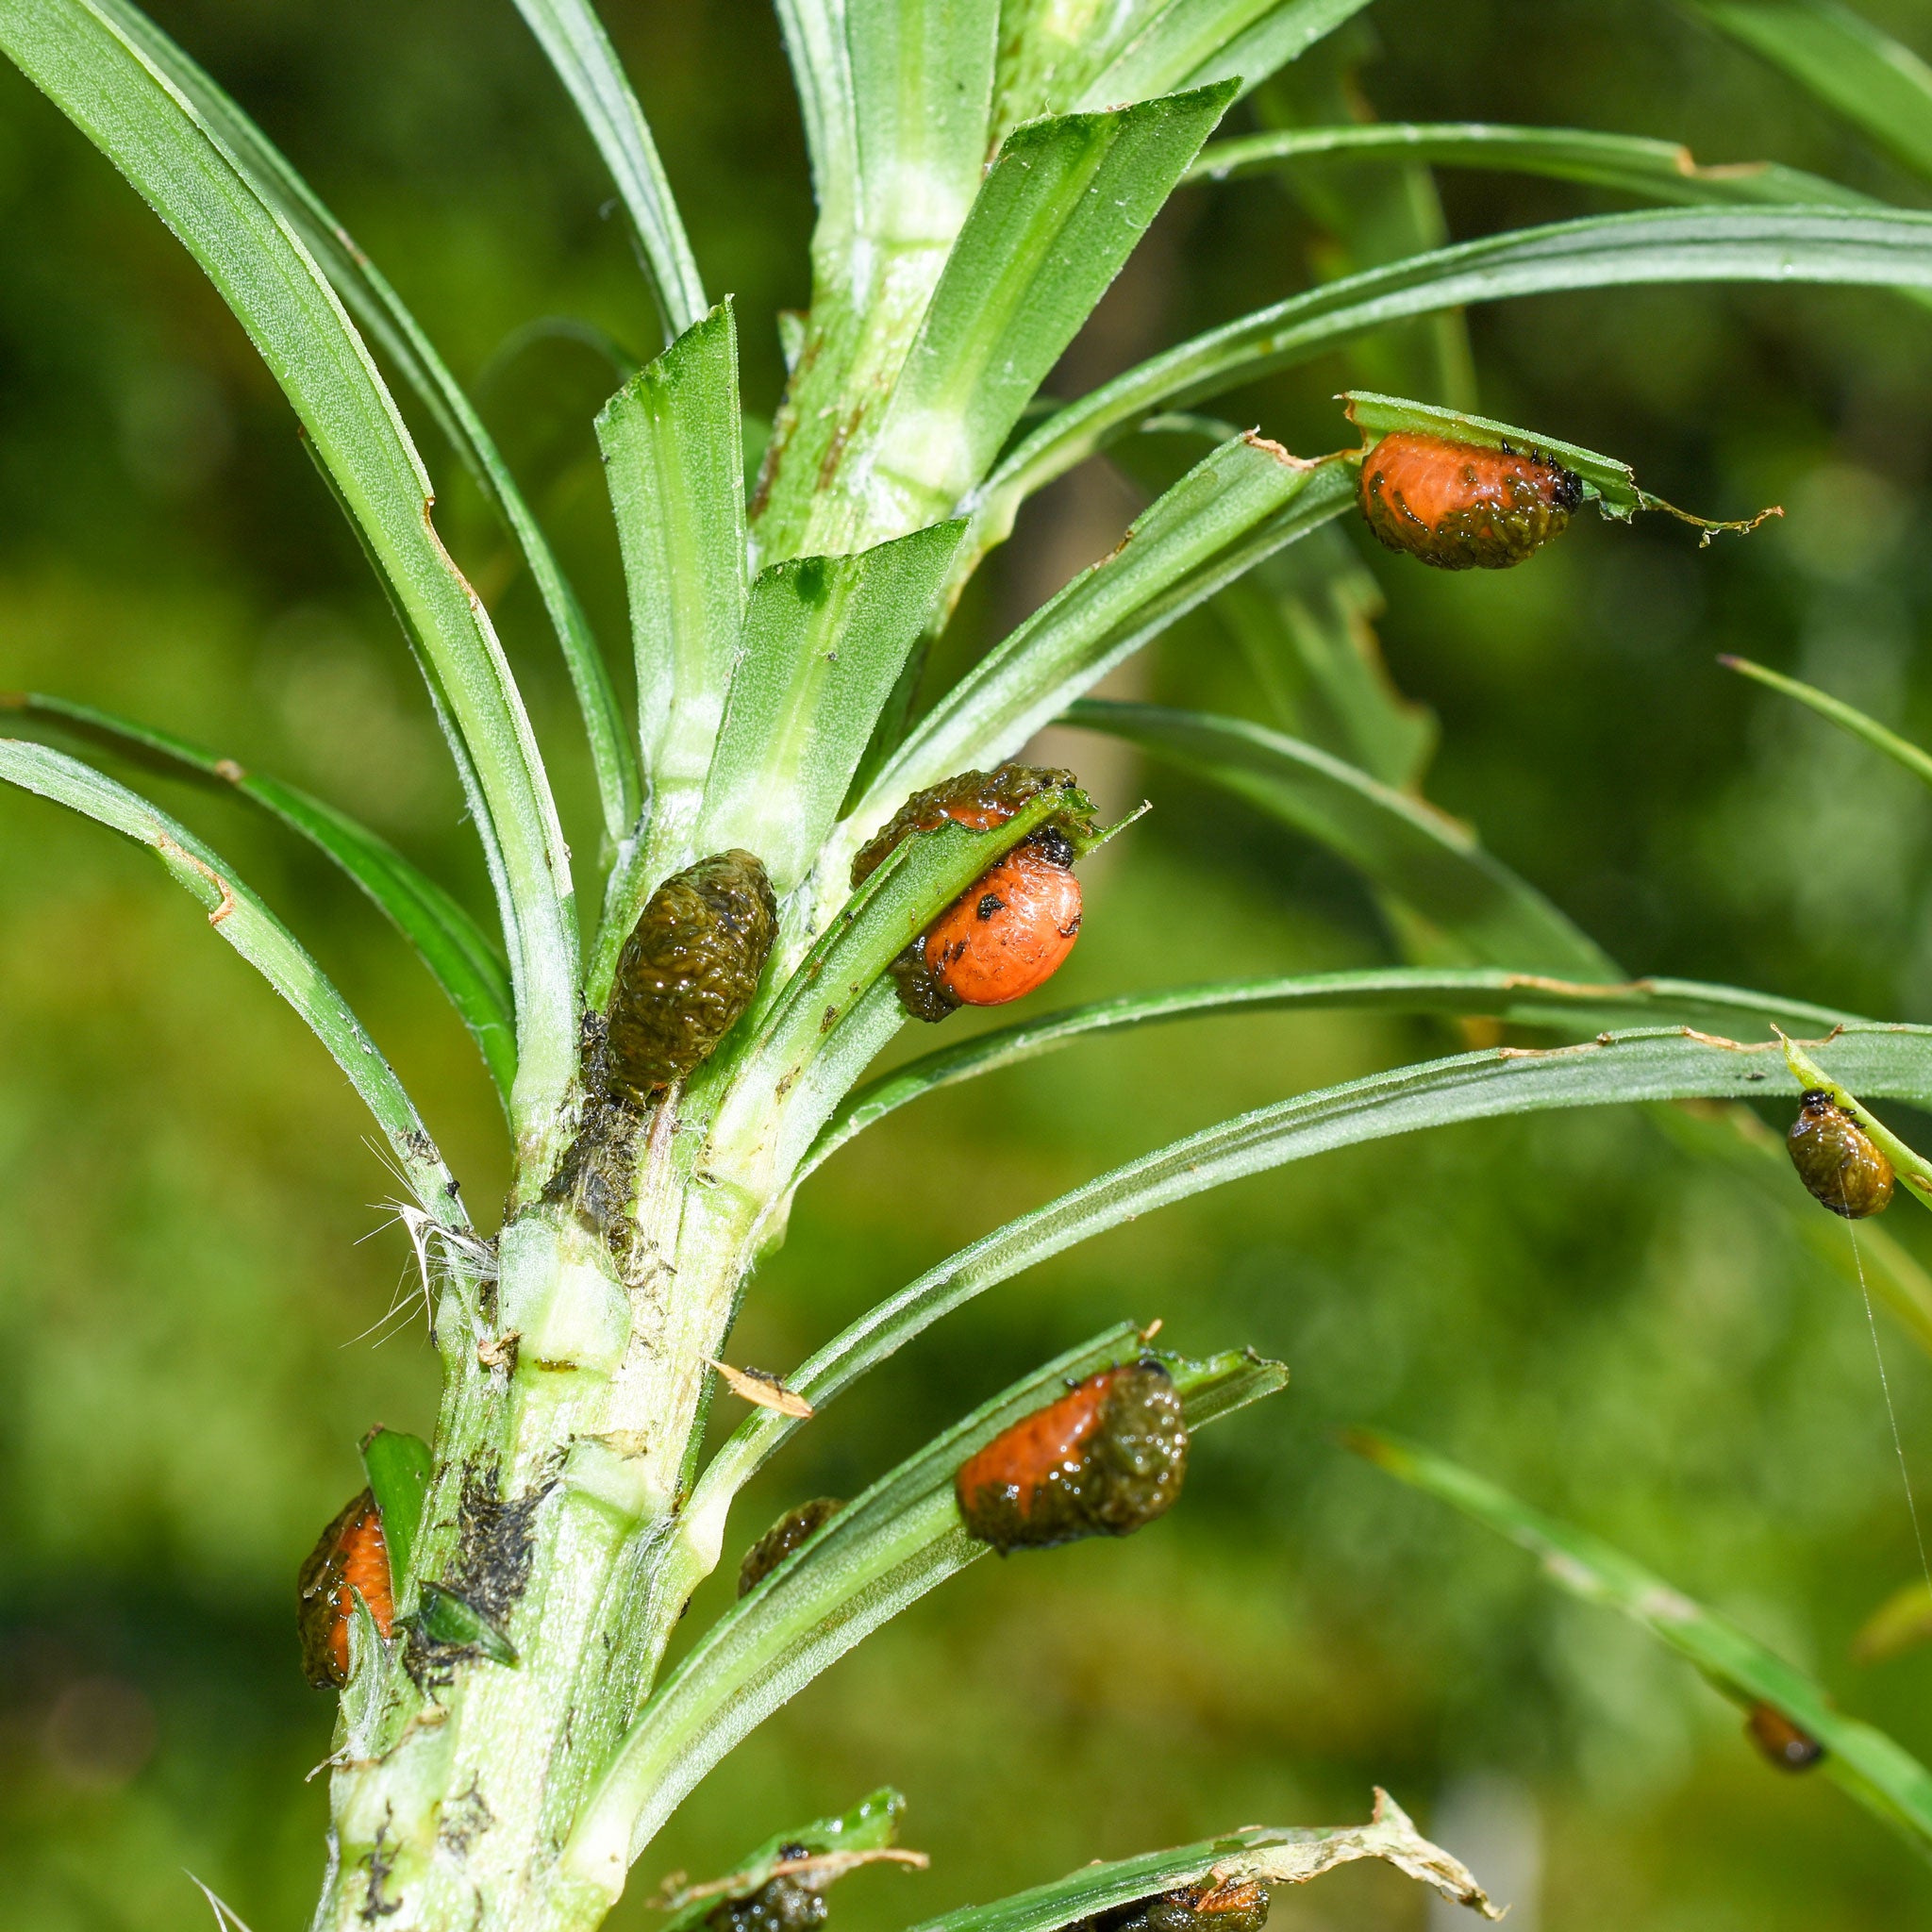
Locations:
(1060, 210)
(459, 953)
(1877, 84)
(1610, 485)
(110, 90)
(1406, 846)
(399, 1467)
(1248, 499)
(1884, 1777)
(247, 924)
(1523, 999)
(384, 316)
(815, 1853)
(1888, 1062)
(880, 1553)
(824, 638)
(576, 45)
(1900, 751)
(1266, 1854)
(1870, 248)
(673, 446)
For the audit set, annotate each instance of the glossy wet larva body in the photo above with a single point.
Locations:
(791, 1531)
(1838, 1161)
(1012, 931)
(688, 970)
(780, 1904)
(1106, 1458)
(351, 1558)
(978, 800)
(1780, 1739)
(1241, 1905)
(1464, 505)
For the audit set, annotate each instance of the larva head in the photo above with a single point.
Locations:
(1838, 1161)
(1464, 505)
(688, 970)
(350, 1560)
(1780, 1739)
(1108, 1457)
(790, 1531)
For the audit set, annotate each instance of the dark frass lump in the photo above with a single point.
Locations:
(690, 968)
(1106, 1458)
(1837, 1159)
(1241, 1905)
(780, 1904)
(792, 1530)
(1463, 505)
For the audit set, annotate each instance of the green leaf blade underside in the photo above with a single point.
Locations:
(1877, 1061)
(824, 641)
(1883, 1776)
(1061, 208)
(387, 320)
(879, 1553)
(1426, 858)
(578, 47)
(1867, 248)
(1243, 502)
(461, 956)
(1881, 87)
(246, 924)
(1900, 751)
(1523, 999)
(104, 84)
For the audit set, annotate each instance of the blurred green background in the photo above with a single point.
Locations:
(205, 1307)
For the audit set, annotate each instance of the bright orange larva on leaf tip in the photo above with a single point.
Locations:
(1011, 930)
(1462, 506)
(351, 1556)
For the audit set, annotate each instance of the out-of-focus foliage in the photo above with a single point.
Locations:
(193, 1313)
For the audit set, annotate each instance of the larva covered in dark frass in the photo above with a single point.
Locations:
(688, 970)
(1837, 1159)
(783, 1903)
(1464, 505)
(1012, 928)
(1237, 1906)
(791, 1531)
(1780, 1739)
(1105, 1459)
(351, 1558)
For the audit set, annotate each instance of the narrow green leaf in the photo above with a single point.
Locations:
(1427, 859)
(1899, 750)
(879, 1553)
(1888, 1780)
(1271, 1855)
(1875, 83)
(1870, 248)
(263, 941)
(1884, 1061)
(1249, 498)
(824, 638)
(459, 956)
(833, 1845)
(1523, 999)
(1902, 1623)
(672, 447)
(1656, 170)
(1610, 485)
(571, 36)
(399, 1467)
(115, 95)
(384, 316)
(1060, 210)
(1196, 43)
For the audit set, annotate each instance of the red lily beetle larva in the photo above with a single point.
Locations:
(1780, 1739)
(688, 969)
(1837, 1159)
(792, 1530)
(1012, 928)
(1238, 1905)
(1106, 1458)
(1462, 506)
(351, 1556)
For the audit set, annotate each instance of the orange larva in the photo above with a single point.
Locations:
(351, 1556)
(1780, 1739)
(1106, 1458)
(1462, 506)
(1844, 1167)
(1011, 930)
